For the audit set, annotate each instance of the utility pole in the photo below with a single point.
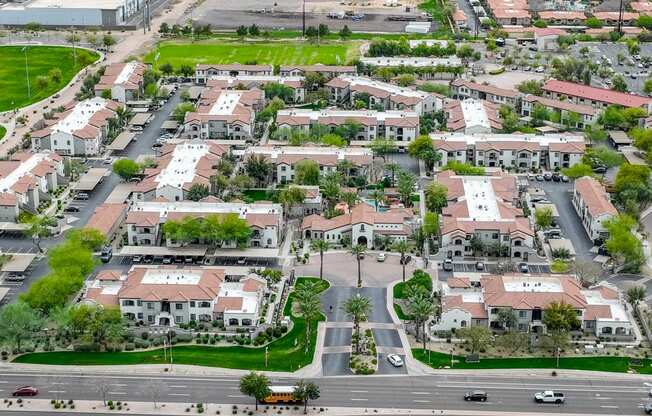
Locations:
(303, 24)
(144, 21)
(620, 18)
(29, 90)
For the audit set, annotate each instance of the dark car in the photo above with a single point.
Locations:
(556, 177)
(71, 209)
(475, 396)
(25, 391)
(148, 259)
(600, 169)
(648, 408)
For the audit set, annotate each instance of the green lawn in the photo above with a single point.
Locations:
(40, 60)
(399, 312)
(276, 53)
(611, 364)
(421, 279)
(284, 355)
(3, 131)
(255, 195)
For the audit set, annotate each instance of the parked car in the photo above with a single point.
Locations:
(523, 268)
(380, 257)
(547, 176)
(81, 196)
(479, 266)
(448, 265)
(107, 161)
(106, 254)
(556, 177)
(167, 259)
(648, 408)
(25, 391)
(137, 258)
(565, 178)
(189, 260)
(549, 396)
(242, 261)
(600, 169)
(395, 360)
(540, 178)
(475, 396)
(178, 259)
(14, 277)
(71, 209)
(148, 259)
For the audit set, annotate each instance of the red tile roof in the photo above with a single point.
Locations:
(594, 196)
(595, 94)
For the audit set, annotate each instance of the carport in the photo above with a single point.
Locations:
(19, 263)
(3, 293)
(170, 125)
(12, 226)
(91, 179)
(562, 243)
(120, 193)
(140, 120)
(122, 141)
(252, 256)
(619, 138)
(130, 251)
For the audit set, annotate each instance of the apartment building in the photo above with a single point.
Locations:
(471, 116)
(460, 19)
(641, 7)
(344, 90)
(397, 125)
(285, 158)
(462, 89)
(241, 82)
(483, 208)
(612, 18)
(224, 114)
(123, 80)
(523, 151)
(145, 221)
(593, 206)
(562, 17)
(204, 72)
(25, 181)
(169, 296)
(413, 61)
(360, 226)
(327, 71)
(599, 98)
(80, 130)
(179, 167)
(599, 309)
(587, 114)
(512, 16)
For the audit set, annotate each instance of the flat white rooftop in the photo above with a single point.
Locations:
(341, 153)
(170, 277)
(182, 167)
(532, 284)
(593, 297)
(480, 198)
(66, 4)
(23, 169)
(428, 42)
(475, 114)
(390, 88)
(225, 103)
(234, 290)
(126, 72)
(411, 61)
(80, 115)
(242, 209)
(315, 115)
(473, 139)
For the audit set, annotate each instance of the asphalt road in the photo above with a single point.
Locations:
(510, 393)
(143, 145)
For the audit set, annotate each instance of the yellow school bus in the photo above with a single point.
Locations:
(281, 394)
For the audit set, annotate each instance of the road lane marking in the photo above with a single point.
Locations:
(236, 396)
(357, 399)
(56, 391)
(118, 385)
(178, 387)
(420, 392)
(588, 390)
(117, 392)
(359, 391)
(180, 394)
(421, 401)
(609, 407)
(58, 384)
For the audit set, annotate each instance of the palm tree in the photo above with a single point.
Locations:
(123, 114)
(421, 307)
(635, 294)
(378, 197)
(393, 167)
(258, 167)
(39, 227)
(344, 167)
(401, 247)
(308, 305)
(350, 198)
(321, 246)
(357, 307)
(358, 251)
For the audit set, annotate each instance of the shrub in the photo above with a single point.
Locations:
(141, 343)
(86, 347)
(129, 346)
(144, 335)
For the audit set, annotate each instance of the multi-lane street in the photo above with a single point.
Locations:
(594, 395)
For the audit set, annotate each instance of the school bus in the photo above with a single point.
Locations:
(281, 394)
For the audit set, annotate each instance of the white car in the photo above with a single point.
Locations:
(380, 257)
(395, 360)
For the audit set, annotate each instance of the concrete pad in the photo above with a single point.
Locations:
(336, 364)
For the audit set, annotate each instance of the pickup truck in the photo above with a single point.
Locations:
(549, 396)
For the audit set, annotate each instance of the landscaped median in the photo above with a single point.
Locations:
(3, 131)
(440, 360)
(285, 354)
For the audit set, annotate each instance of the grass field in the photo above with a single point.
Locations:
(284, 355)
(276, 53)
(3, 131)
(610, 364)
(40, 60)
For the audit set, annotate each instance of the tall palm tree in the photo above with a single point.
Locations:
(308, 305)
(421, 307)
(321, 246)
(344, 167)
(123, 114)
(378, 197)
(350, 198)
(258, 167)
(357, 307)
(401, 247)
(394, 168)
(358, 251)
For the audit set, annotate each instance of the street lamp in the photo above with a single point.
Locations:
(29, 91)
(266, 355)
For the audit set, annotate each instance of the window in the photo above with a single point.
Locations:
(204, 304)
(150, 318)
(494, 311)
(140, 316)
(192, 303)
(522, 314)
(518, 243)
(522, 327)
(127, 303)
(494, 236)
(178, 319)
(150, 305)
(179, 306)
(139, 302)
(193, 317)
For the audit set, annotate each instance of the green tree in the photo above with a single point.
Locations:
(381, 147)
(358, 308)
(52, 291)
(18, 323)
(405, 80)
(242, 31)
(506, 318)
(402, 247)
(512, 341)
(378, 196)
(618, 83)
(291, 196)
(320, 246)
(345, 32)
(197, 191)
(349, 198)
(464, 168)
(179, 112)
(422, 148)
(477, 246)
(578, 170)
(647, 87)
(306, 172)
(233, 228)
(330, 188)
(91, 238)
(635, 294)
(530, 87)
(255, 385)
(556, 340)
(431, 224)
(622, 244)
(595, 133)
(308, 305)
(42, 82)
(539, 115)
(560, 316)
(543, 217)
(126, 168)
(167, 68)
(358, 251)
(304, 391)
(259, 168)
(436, 196)
(108, 41)
(477, 337)
(38, 227)
(55, 75)
(420, 307)
(405, 185)
(594, 23)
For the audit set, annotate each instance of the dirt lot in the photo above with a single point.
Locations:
(287, 14)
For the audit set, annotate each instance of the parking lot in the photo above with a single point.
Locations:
(493, 268)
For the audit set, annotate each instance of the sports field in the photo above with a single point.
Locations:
(40, 61)
(276, 53)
